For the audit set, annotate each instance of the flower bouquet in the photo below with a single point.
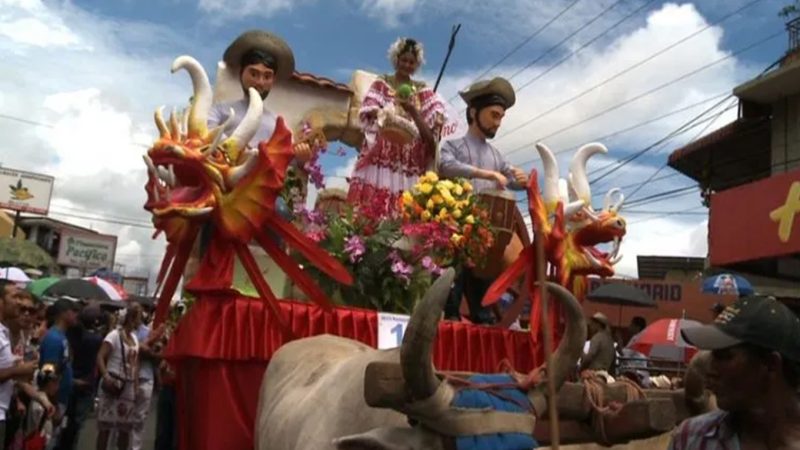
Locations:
(446, 222)
(386, 277)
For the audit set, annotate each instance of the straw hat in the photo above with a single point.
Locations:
(264, 41)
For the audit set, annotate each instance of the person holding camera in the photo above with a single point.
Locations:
(118, 365)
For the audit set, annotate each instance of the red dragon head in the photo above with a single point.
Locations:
(198, 175)
(584, 227)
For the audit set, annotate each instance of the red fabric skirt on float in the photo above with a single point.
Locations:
(222, 347)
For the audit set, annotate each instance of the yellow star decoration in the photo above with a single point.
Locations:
(786, 213)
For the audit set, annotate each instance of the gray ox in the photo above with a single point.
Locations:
(315, 396)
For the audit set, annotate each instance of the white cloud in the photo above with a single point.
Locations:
(663, 237)
(230, 9)
(336, 179)
(93, 97)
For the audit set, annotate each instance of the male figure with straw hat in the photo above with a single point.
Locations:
(257, 59)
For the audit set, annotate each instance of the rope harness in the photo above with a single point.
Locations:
(595, 394)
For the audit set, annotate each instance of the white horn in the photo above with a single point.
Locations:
(201, 102)
(550, 193)
(249, 125)
(577, 170)
(609, 204)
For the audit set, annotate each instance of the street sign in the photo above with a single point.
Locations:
(25, 191)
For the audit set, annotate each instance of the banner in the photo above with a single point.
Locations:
(25, 191)
(86, 251)
(756, 220)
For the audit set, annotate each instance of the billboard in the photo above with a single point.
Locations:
(25, 191)
(756, 220)
(86, 250)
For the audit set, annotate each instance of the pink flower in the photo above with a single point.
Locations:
(402, 270)
(354, 247)
(430, 266)
(316, 235)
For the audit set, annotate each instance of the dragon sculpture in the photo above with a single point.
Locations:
(201, 178)
(570, 230)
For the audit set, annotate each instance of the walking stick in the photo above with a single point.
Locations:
(447, 57)
(552, 402)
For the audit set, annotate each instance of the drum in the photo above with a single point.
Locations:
(511, 234)
(397, 128)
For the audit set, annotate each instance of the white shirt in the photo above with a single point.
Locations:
(7, 359)
(114, 364)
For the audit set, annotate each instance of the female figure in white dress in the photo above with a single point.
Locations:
(118, 365)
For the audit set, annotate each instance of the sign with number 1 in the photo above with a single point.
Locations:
(391, 328)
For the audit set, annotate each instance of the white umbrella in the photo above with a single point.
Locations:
(14, 274)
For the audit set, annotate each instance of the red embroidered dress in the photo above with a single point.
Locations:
(385, 169)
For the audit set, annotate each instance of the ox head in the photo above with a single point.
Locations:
(587, 227)
(428, 397)
(193, 171)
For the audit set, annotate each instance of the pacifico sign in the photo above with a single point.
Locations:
(86, 251)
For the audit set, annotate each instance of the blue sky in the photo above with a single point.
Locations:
(93, 71)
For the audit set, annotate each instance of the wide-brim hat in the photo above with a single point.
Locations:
(601, 319)
(264, 41)
(497, 86)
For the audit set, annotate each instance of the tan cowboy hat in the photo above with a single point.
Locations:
(266, 42)
(600, 318)
(498, 86)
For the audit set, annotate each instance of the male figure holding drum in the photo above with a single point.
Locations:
(475, 158)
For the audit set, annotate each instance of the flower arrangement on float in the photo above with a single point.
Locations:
(394, 258)
(445, 221)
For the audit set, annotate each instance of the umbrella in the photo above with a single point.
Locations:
(727, 284)
(14, 274)
(663, 340)
(82, 289)
(621, 294)
(37, 287)
(114, 291)
(24, 253)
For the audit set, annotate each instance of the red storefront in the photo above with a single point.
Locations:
(749, 171)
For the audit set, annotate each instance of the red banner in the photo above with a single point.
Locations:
(755, 221)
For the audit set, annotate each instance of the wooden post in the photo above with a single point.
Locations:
(16, 225)
(552, 401)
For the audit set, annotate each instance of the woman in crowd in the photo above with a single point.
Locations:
(386, 166)
(118, 366)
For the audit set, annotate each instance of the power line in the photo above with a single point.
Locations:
(586, 44)
(100, 219)
(627, 129)
(522, 44)
(642, 62)
(568, 37)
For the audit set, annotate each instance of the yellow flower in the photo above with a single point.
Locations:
(443, 190)
(447, 184)
(450, 201)
(426, 188)
(437, 199)
(407, 198)
(467, 186)
(470, 219)
(458, 190)
(457, 213)
(456, 238)
(426, 216)
(430, 205)
(431, 176)
(443, 213)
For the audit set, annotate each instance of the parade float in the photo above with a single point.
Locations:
(345, 272)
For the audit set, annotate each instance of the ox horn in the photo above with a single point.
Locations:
(201, 102)
(416, 351)
(550, 193)
(247, 128)
(577, 170)
(609, 204)
(569, 349)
